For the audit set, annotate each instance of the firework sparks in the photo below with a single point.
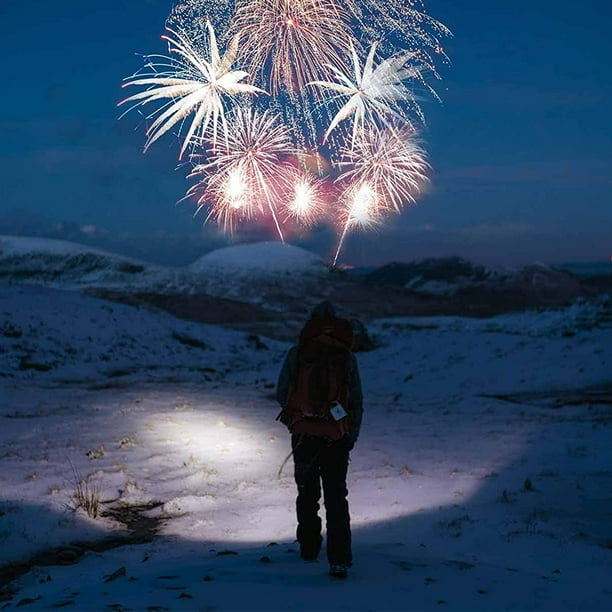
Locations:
(193, 85)
(375, 92)
(390, 159)
(288, 43)
(304, 199)
(362, 209)
(384, 169)
(191, 17)
(341, 77)
(407, 22)
(245, 176)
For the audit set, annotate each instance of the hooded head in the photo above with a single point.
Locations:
(324, 309)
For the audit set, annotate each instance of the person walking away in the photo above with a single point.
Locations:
(319, 390)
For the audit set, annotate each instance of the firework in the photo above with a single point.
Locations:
(340, 78)
(383, 170)
(288, 43)
(376, 93)
(304, 200)
(405, 24)
(390, 159)
(245, 176)
(192, 84)
(191, 17)
(361, 209)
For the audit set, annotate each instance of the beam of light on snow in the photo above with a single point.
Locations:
(212, 459)
(218, 466)
(213, 438)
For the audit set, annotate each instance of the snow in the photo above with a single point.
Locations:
(481, 481)
(27, 245)
(260, 258)
(67, 265)
(248, 272)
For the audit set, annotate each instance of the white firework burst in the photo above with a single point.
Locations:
(391, 159)
(192, 84)
(384, 169)
(376, 93)
(245, 176)
(304, 198)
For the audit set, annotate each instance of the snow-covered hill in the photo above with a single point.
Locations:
(262, 259)
(67, 265)
(277, 282)
(52, 335)
(253, 271)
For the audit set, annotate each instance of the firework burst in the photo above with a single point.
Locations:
(376, 93)
(192, 84)
(245, 176)
(340, 78)
(288, 43)
(384, 169)
(406, 24)
(304, 199)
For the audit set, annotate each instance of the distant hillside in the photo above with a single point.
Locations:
(453, 275)
(68, 265)
(276, 285)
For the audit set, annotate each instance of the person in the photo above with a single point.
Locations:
(321, 446)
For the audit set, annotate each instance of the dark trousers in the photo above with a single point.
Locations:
(321, 461)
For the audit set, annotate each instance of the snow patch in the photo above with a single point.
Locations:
(263, 258)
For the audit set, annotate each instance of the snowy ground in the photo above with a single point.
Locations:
(482, 479)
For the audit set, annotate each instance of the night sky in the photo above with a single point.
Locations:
(521, 146)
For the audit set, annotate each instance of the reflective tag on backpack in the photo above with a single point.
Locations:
(338, 412)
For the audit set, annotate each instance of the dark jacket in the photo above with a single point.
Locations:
(355, 394)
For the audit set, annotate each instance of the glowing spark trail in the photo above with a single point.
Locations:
(193, 84)
(244, 176)
(361, 210)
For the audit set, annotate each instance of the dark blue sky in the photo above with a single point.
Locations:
(521, 147)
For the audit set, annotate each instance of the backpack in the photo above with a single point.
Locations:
(318, 397)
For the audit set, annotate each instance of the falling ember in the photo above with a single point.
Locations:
(411, 26)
